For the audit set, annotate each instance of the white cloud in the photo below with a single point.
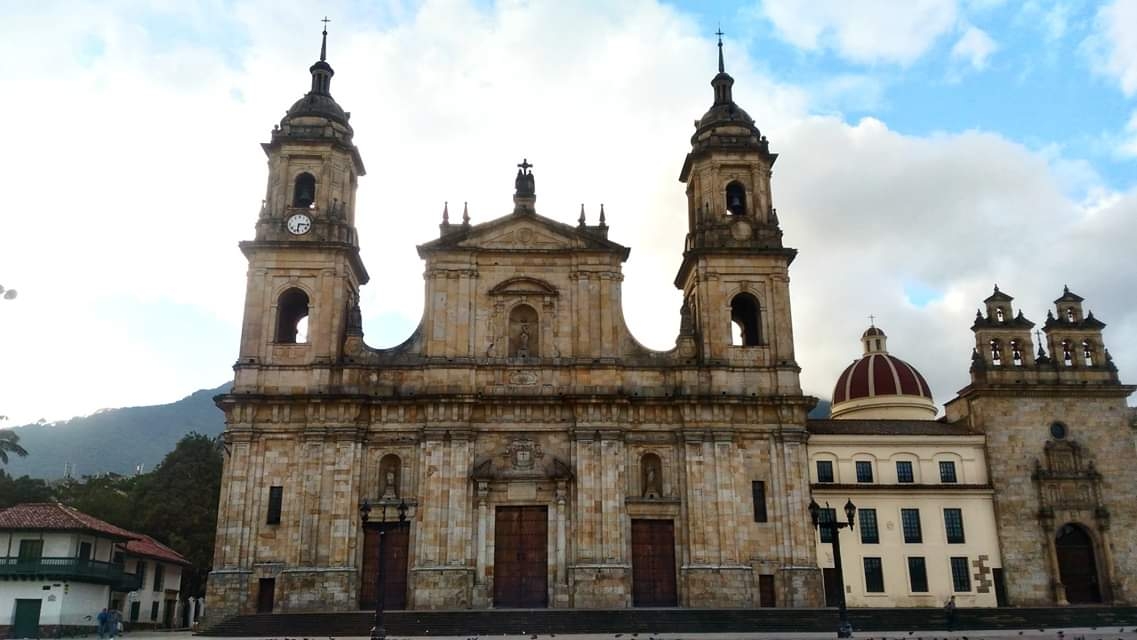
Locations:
(1113, 45)
(869, 31)
(974, 47)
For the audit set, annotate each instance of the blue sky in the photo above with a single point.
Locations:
(929, 149)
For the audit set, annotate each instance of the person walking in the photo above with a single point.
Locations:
(102, 620)
(949, 612)
(114, 623)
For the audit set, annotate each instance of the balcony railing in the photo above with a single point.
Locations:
(78, 569)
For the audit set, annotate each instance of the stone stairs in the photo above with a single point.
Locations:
(647, 621)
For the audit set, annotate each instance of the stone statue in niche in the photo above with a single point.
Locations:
(522, 324)
(523, 341)
(389, 474)
(651, 473)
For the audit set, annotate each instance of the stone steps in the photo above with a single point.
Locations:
(647, 621)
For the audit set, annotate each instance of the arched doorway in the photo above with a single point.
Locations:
(1077, 565)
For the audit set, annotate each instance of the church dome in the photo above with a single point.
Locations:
(318, 103)
(881, 386)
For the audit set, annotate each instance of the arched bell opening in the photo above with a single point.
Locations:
(304, 191)
(744, 318)
(736, 199)
(292, 317)
(1077, 564)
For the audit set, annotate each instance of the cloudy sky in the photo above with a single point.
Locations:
(929, 149)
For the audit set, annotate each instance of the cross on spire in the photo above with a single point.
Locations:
(324, 44)
(722, 67)
(872, 320)
(525, 166)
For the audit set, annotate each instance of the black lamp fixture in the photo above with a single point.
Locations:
(844, 628)
(379, 631)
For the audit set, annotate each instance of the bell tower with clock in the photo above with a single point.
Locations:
(304, 265)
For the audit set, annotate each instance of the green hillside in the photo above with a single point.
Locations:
(115, 440)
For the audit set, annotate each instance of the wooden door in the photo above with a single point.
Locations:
(653, 564)
(833, 587)
(1076, 565)
(766, 596)
(266, 591)
(25, 620)
(396, 546)
(521, 557)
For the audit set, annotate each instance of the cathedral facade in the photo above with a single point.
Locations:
(521, 449)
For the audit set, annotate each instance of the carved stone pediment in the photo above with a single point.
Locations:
(528, 232)
(524, 286)
(522, 459)
(521, 235)
(1066, 480)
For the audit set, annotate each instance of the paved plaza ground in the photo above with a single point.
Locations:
(1109, 633)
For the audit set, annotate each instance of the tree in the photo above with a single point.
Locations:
(21, 490)
(10, 443)
(177, 505)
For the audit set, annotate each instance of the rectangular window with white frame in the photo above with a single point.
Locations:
(947, 472)
(904, 472)
(960, 577)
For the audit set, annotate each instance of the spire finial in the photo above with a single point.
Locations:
(602, 221)
(580, 222)
(445, 213)
(324, 43)
(722, 67)
(465, 214)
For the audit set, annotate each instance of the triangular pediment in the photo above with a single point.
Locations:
(522, 232)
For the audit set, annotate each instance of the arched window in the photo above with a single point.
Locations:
(651, 475)
(1016, 354)
(744, 316)
(736, 198)
(292, 317)
(1067, 356)
(304, 191)
(1069, 314)
(996, 352)
(389, 474)
(1088, 353)
(523, 332)
(999, 315)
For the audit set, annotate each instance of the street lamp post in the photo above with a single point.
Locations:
(379, 631)
(844, 629)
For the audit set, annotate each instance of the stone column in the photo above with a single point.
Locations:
(726, 499)
(458, 516)
(587, 468)
(696, 502)
(1047, 525)
(483, 525)
(612, 476)
(1110, 577)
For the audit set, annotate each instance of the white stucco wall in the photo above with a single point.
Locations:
(927, 494)
(146, 596)
(66, 603)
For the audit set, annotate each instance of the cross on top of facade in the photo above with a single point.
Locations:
(525, 166)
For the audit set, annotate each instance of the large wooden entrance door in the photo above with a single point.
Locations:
(521, 557)
(653, 563)
(396, 543)
(266, 592)
(1077, 565)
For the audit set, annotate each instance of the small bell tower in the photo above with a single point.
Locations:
(1002, 338)
(735, 270)
(304, 265)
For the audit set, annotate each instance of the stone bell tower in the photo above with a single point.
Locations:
(735, 271)
(1060, 452)
(304, 265)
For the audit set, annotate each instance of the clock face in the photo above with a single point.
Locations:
(299, 224)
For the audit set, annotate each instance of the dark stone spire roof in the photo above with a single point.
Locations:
(724, 110)
(318, 102)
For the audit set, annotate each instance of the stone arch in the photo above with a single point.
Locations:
(390, 474)
(292, 309)
(304, 190)
(735, 198)
(524, 332)
(746, 320)
(1077, 552)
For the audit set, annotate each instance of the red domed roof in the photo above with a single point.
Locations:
(879, 374)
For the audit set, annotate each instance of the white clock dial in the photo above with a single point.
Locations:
(299, 224)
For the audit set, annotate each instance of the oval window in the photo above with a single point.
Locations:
(1057, 430)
